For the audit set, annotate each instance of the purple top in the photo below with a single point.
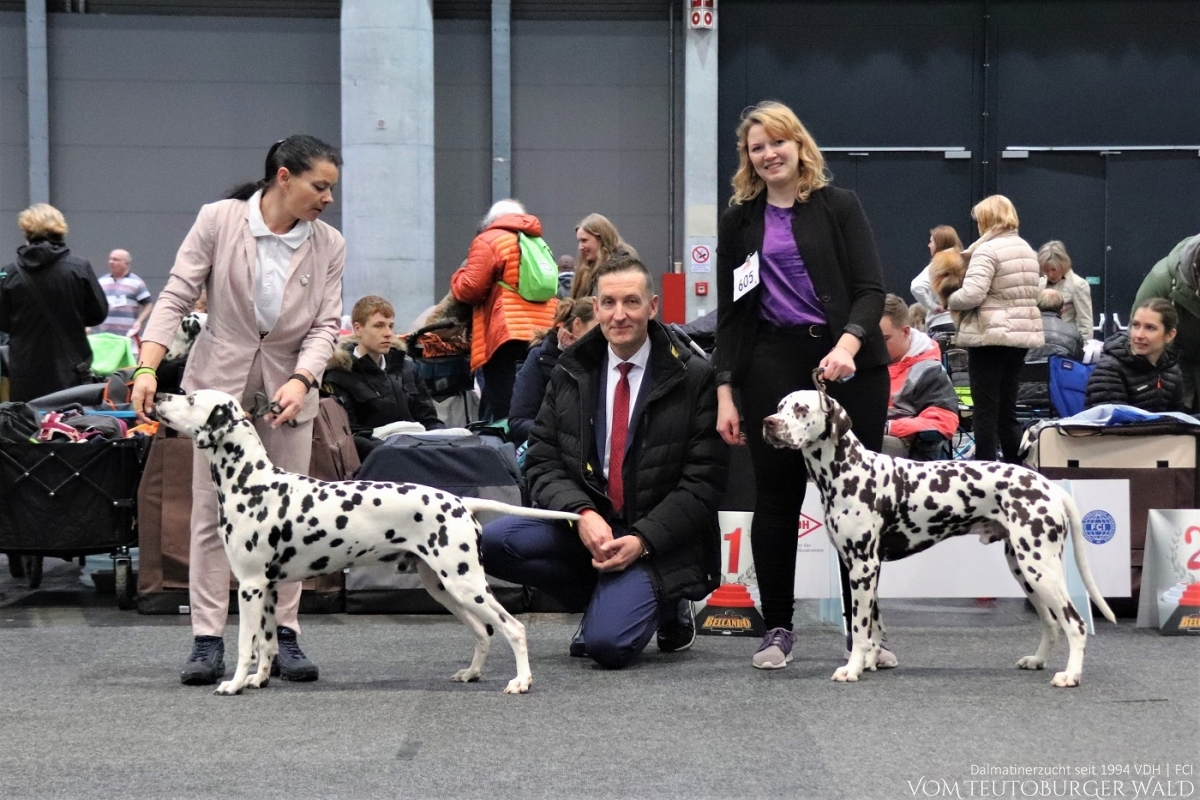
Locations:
(788, 297)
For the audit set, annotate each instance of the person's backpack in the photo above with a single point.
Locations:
(537, 276)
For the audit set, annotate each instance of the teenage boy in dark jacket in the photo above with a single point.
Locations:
(648, 542)
(376, 384)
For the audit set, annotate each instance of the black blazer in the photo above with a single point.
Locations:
(835, 241)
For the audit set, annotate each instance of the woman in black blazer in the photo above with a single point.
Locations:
(817, 304)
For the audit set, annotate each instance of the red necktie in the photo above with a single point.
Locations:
(620, 429)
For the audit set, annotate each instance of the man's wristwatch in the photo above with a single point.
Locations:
(645, 550)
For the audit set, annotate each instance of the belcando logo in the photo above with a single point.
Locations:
(728, 621)
(1190, 622)
(807, 525)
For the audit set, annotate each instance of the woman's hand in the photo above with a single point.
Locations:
(142, 399)
(290, 398)
(838, 364)
(728, 424)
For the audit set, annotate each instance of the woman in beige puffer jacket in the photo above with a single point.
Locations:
(998, 321)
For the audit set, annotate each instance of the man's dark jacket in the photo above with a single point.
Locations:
(675, 466)
(44, 353)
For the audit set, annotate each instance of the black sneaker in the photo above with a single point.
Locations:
(676, 626)
(206, 664)
(291, 664)
(578, 648)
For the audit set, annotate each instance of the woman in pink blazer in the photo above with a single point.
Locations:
(273, 272)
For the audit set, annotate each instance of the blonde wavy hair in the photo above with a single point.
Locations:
(995, 214)
(779, 122)
(606, 234)
(42, 221)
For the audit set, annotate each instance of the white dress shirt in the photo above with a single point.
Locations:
(271, 263)
(639, 360)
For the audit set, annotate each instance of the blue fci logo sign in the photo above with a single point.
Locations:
(1099, 526)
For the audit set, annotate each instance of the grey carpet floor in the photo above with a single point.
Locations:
(91, 707)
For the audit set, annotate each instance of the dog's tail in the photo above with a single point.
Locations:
(1075, 523)
(477, 504)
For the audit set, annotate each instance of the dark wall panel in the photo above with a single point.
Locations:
(1097, 73)
(1153, 202)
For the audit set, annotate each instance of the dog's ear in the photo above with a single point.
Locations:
(837, 421)
(219, 420)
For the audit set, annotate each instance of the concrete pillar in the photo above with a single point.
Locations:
(38, 102)
(700, 182)
(387, 143)
(501, 100)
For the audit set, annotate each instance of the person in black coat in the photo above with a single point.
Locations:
(816, 304)
(572, 319)
(48, 298)
(1139, 367)
(648, 540)
(374, 383)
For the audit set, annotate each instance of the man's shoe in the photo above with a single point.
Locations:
(677, 627)
(578, 648)
(775, 651)
(291, 664)
(206, 664)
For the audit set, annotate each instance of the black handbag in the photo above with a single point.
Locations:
(18, 422)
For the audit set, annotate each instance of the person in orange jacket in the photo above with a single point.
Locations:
(503, 323)
(922, 405)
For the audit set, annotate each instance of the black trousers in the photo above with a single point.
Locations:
(783, 363)
(499, 375)
(995, 375)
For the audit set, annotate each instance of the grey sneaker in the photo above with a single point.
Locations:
(206, 664)
(776, 649)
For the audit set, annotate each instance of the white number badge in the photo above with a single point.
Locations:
(745, 277)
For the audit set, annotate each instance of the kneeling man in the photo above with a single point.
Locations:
(626, 437)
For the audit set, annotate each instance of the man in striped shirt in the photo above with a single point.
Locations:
(128, 298)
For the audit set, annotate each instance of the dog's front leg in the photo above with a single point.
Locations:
(864, 625)
(251, 599)
(268, 641)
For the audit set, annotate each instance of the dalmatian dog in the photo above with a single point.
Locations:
(186, 334)
(881, 508)
(281, 527)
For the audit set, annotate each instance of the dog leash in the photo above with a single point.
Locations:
(262, 407)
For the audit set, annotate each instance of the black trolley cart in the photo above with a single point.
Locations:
(72, 499)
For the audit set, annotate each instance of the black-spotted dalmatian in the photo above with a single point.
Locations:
(186, 334)
(280, 527)
(881, 508)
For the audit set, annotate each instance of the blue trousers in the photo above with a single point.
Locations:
(622, 609)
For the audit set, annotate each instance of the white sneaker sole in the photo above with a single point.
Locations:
(769, 665)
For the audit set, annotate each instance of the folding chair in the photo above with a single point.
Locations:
(1068, 385)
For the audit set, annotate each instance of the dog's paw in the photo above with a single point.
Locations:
(518, 685)
(467, 675)
(846, 675)
(1065, 680)
(228, 689)
(1031, 662)
(259, 681)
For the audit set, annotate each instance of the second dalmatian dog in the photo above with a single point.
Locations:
(280, 527)
(879, 509)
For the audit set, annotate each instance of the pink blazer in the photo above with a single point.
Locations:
(219, 254)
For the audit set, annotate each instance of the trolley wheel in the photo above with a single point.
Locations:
(123, 583)
(16, 565)
(33, 568)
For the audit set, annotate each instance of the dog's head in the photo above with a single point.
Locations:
(805, 418)
(946, 273)
(206, 415)
(186, 335)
